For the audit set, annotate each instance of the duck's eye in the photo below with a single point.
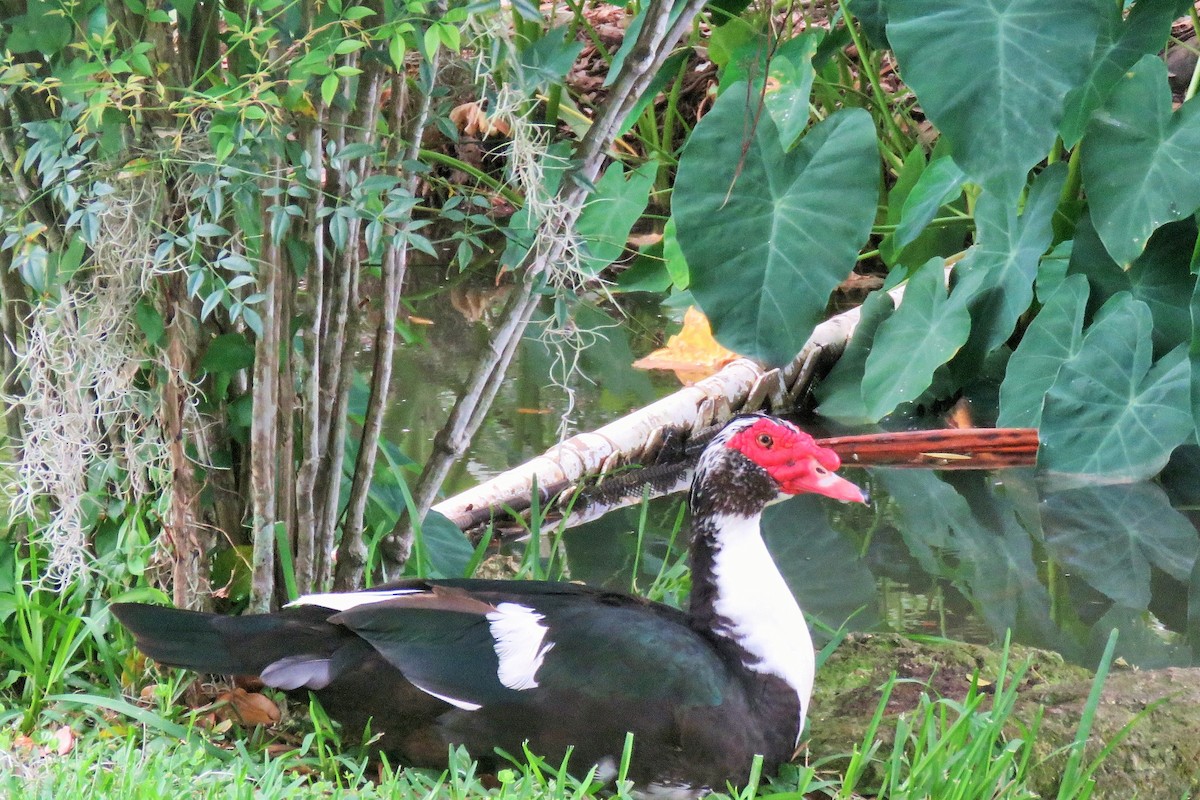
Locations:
(820, 470)
(765, 440)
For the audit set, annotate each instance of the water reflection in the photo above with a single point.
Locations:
(964, 555)
(969, 555)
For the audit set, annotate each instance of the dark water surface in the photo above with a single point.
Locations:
(964, 555)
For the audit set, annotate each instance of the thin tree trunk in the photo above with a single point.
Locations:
(263, 428)
(14, 316)
(189, 567)
(311, 543)
(352, 553)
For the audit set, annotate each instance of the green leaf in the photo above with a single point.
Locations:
(730, 38)
(992, 76)
(207, 230)
(449, 548)
(1110, 415)
(792, 71)
(924, 333)
(396, 49)
(149, 321)
(611, 211)
(840, 392)
(1138, 161)
(547, 60)
(42, 28)
(1160, 278)
(677, 266)
(872, 18)
(1054, 336)
(329, 87)
(347, 46)
(768, 235)
(941, 183)
(997, 275)
(450, 36)
(1120, 44)
(228, 353)
(432, 41)
(1110, 535)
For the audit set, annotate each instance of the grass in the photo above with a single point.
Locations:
(67, 669)
(948, 749)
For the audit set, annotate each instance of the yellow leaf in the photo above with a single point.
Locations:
(692, 354)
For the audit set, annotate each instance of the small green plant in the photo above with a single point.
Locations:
(44, 633)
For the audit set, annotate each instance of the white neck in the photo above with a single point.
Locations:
(762, 613)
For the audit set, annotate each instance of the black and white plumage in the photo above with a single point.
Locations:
(495, 664)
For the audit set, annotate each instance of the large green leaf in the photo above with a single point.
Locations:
(768, 234)
(1054, 336)
(1110, 535)
(840, 392)
(1139, 161)
(992, 75)
(1122, 41)
(996, 277)
(924, 333)
(1111, 415)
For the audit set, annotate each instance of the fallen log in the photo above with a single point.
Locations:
(656, 446)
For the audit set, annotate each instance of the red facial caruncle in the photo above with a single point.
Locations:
(797, 463)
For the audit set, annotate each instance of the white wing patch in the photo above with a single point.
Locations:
(520, 644)
(466, 705)
(344, 601)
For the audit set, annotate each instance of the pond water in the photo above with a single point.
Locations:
(964, 555)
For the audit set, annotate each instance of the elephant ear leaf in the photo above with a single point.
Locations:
(768, 233)
(1111, 415)
(1054, 336)
(1133, 162)
(925, 332)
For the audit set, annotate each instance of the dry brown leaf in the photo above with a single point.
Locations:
(473, 121)
(693, 353)
(251, 708)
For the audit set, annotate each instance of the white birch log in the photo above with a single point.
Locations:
(742, 385)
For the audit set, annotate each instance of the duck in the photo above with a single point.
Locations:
(494, 665)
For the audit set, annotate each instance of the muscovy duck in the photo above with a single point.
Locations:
(493, 664)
